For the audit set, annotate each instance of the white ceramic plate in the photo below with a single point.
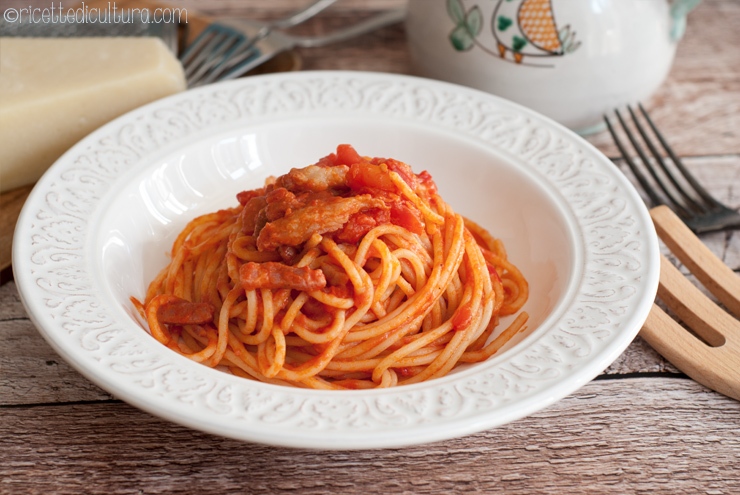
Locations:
(97, 226)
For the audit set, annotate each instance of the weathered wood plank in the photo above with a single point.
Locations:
(610, 437)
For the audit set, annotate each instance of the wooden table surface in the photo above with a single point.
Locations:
(640, 427)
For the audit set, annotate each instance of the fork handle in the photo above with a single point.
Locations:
(717, 277)
(687, 353)
(302, 15)
(376, 22)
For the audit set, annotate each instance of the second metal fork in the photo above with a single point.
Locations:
(678, 189)
(219, 42)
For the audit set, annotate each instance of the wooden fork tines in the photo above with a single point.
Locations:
(713, 359)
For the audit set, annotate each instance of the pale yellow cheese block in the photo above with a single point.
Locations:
(55, 91)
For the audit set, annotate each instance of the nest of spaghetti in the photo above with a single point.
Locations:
(349, 273)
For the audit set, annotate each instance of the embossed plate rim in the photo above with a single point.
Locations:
(383, 418)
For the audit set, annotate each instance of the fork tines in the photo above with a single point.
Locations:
(676, 187)
(214, 49)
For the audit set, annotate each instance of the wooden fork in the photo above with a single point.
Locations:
(713, 361)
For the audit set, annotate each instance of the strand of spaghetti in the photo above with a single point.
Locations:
(485, 335)
(241, 249)
(330, 333)
(405, 287)
(375, 346)
(200, 265)
(393, 233)
(239, 357)
(395, 274)
(214, 232)
(317, 383)
(201, 336)
(155, 285)
(214, 217)
(417, 265)
(393, 358)
(293, 310)
(388, 264)
(187, 281)
(360, 280)
(158, 332)
(422, 301)
(223, 327)
(174, 268)
(414, 357)
(194, 339)
(318, 363)
(238, 309)
(208, 289)
(308, 256)
(268, 315)
(332, 300)
(478, 285)
(514, 297)
(434, 318)
(250, 323)
(483, 237)
(349, 267)
(232, 260)
(391, 381)
(273, 354)
(444, 362)
(460, 340)
(406, 191)
(516, 326)
(453, 293)
(317, 325)
(420, 244)
(512, 273)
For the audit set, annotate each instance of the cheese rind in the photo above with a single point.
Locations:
(55, 91)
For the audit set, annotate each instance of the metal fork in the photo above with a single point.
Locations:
(711, 354)
(219, 41)
(683, 193)
(266, 46)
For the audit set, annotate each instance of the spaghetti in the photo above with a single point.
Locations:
(349, 273)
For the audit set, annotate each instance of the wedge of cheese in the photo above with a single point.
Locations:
(54, 91)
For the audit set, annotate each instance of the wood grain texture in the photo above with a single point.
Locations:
(11, 203)
(573, 447)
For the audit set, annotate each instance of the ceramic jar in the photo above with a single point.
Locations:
(571, 60)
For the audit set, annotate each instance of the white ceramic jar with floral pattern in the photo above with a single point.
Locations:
(571, 60)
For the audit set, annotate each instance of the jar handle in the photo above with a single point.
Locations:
(679, 11)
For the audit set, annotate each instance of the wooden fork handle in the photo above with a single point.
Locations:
(715, 368)
(717, 277)
(715, 361)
